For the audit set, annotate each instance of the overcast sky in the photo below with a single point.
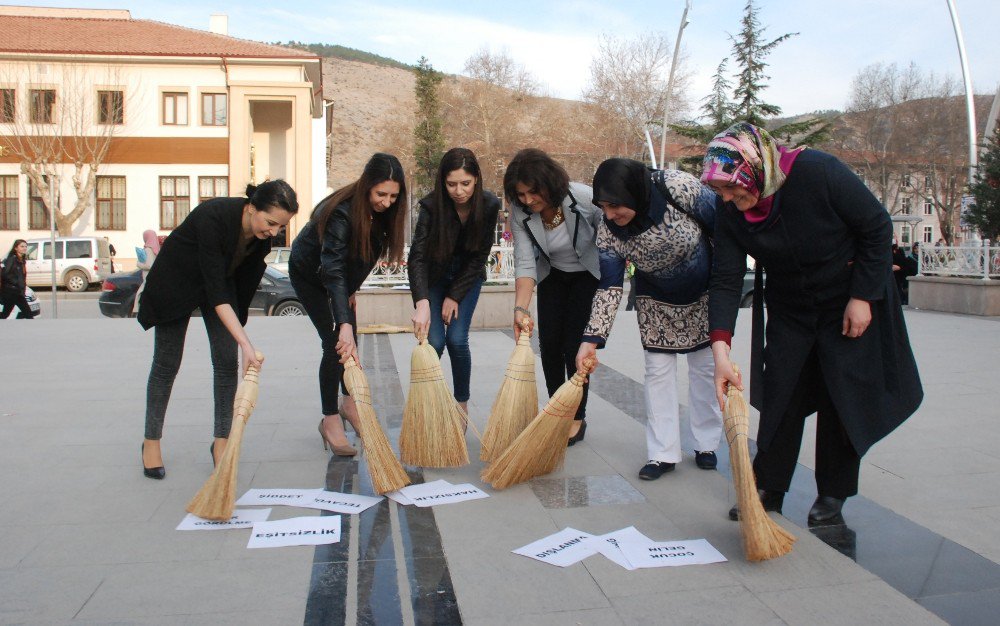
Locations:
(556, 40)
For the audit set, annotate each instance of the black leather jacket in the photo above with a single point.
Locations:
(13, 275)
(424, 271)
(330, 264)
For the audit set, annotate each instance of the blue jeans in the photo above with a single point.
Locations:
(456, 334)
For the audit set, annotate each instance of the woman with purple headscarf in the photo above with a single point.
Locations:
(150, 248)
(836, 342)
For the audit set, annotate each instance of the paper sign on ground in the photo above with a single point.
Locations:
(608, 544)
(296, 531)
(338, 502)
(242, 518)
(286, 497)
(670, 553)
(564, 548)
(431, 494)
(398, 497)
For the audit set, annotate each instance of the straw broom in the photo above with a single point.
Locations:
(762, 537)
(516, 403)
(217, 497)
(541, 447)
(383, 466)
(433, 432)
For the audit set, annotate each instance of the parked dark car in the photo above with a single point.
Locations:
(274, 296)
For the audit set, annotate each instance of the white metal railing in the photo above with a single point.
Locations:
(499, 269)
(982, 261)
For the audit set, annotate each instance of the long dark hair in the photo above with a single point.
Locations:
(437, 243)
(13, 248)
(273, 193)
(539, 171)
(380, 168)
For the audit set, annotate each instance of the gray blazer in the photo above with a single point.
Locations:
(531, 258)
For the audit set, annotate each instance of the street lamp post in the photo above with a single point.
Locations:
(969, 103)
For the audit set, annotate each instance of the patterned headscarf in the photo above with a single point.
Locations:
(748, 156)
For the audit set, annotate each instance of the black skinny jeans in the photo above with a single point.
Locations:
(13, 299)
(564, 301)
(168, 348)
(313, 297)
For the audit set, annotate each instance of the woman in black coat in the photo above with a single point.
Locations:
(836, 342)
(14, 280)
(350, 230)
(447, 263)
(213, 262)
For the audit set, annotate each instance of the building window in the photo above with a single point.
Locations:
(8, 203)
(928, 207)
(904, 235)
(38, 213)
(111, 202)
(110, 107)
(906, 206)
(175, 200)
(213, 109)
(212, 187)
(175, 109)
(43, 105)
(928, 183)
(928, 234)
(8, 108)
(906, 180)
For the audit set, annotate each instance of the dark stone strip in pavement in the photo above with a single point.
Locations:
(432, 595)
(958, 585)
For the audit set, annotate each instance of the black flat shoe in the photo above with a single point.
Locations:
(655, 469)
(579, 434)
(826, 510)
(705, 460)
(772, 501)
(156, 473)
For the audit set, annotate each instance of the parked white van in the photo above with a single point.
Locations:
(80, 262)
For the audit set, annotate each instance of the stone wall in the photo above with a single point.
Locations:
(972, 296)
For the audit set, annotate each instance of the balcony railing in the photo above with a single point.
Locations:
(965, 261)
(499, 269)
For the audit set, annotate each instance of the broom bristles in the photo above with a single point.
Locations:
(541, 447)
(217, 497)
(762, 537)
(433, 432)
(516, 403)
(383, 466)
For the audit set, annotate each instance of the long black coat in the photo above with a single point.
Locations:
(192, 266)
(830, 242)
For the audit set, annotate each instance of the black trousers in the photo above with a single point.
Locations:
(564, 300)
(314, 298)
(837, 463)
(14, 299)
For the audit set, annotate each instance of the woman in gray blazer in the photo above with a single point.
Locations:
(554, 224)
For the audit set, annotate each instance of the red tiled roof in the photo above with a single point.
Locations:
(29, 34)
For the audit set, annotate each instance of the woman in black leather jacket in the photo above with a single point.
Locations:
(447, 263)
(349, 232)
(14, 279)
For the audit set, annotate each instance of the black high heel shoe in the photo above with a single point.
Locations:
(579, 434)
(156, 473)
(211, 452)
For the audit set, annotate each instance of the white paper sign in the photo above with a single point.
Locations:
(431, 494)
(242, 518)
(398, 497)
(338, 502)
(564, 548)
(608, 544)
(286, 497)
(670, 553)
(296, 531)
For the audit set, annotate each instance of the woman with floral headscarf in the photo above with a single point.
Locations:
(836, 342)
(660, 220)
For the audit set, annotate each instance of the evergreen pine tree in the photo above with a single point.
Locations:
(749, 52)
(985, 213)
(428, 133)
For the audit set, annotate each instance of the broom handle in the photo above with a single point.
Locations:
(246, 394)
